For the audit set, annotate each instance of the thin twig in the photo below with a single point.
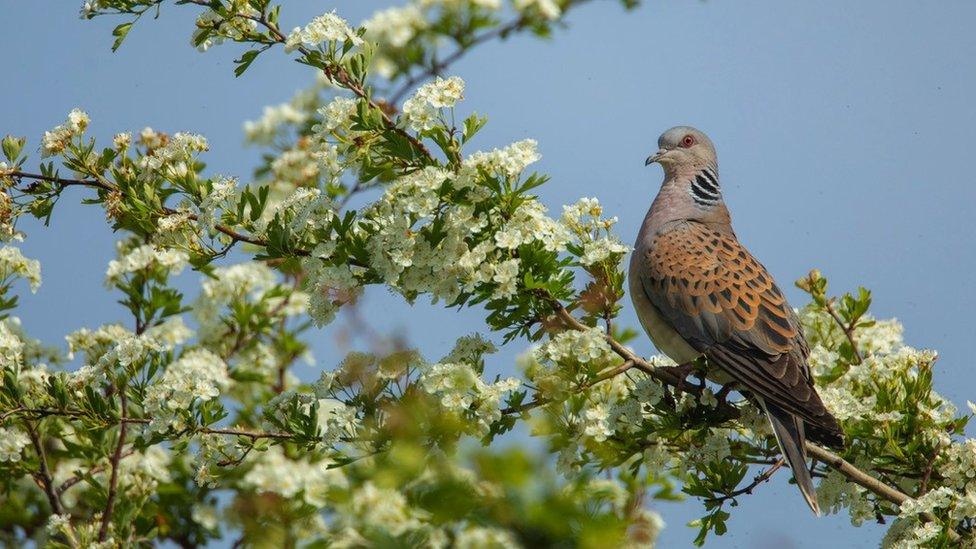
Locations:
(760, 478)
(66, 485)
(847, 329)
(540, 401)
(114, 478)
(10, 412)
(46, 412)
(437, 67)
(46, 479)
(94, 183)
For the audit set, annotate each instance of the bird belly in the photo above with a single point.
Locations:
(664, 337)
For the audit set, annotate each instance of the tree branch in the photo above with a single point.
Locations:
(46, 480)
(437, 67)
(540, 401)
(336, 74)
(760, 478)
(96, 184)
(77, 414)
(114, 478)
(66, 485)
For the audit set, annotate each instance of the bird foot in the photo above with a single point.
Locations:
(725, 390)
(682, 371)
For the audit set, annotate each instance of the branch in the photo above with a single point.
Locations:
(540, 401)
(78, 414)
(62, 181)
(66, 485)
(336, 74)
(661, 374)
(760, 478)
(96, 184)
(437, 67)
(847, 329)
(46, 480)
(114, 479)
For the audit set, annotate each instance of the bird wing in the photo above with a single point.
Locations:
(725, 304)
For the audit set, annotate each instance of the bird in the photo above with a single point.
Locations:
(698, 292)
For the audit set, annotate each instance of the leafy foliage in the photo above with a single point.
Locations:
(170, 433)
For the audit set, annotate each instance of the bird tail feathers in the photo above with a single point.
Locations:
(790, 436)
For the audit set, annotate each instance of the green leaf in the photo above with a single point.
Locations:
(472, 125)
(245, 61)
(120, 32)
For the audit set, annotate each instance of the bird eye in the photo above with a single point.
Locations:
(687, 141)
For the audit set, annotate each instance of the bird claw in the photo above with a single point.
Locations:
(682, 371)
(725, 390)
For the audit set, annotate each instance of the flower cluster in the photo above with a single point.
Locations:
(460, 389)
(599, 243)
(421, 112)
(142, 258)
(56, 140)
(326, 28)
(547, 8)
(236, 23)
(198, 376)
(12, 441)
(14, 264)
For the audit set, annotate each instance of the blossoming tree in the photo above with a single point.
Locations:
(188, 425)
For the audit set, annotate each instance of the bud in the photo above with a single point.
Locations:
(12, 147)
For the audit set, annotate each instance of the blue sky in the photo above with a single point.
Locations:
(844, 132)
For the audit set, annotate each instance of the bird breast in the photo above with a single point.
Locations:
(664, 337)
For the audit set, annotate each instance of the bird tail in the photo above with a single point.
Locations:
(789, 434)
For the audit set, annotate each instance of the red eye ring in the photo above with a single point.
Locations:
(687, 141)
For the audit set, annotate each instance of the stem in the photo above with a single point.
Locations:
(437, 67)
(93, 183)
(114, 479)
(47, 483)
(760, 478)
(539, 401)
(847, 329)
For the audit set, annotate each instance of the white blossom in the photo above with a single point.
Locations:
(145, 257)
(221, 196)
(394, 26)
(56, 140)
(507, 162)
(13, 263)
(199, 375)
(12, 441)
(547, 8)
(421, 111)
(276, 473)
(273, 118)
(236, 26)
(328, 27)
(481, 537)
(336, 115)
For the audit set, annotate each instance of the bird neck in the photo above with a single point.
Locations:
(689, 193)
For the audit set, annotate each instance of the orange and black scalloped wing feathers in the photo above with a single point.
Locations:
(725, 304)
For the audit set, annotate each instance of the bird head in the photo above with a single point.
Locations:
(683, 148)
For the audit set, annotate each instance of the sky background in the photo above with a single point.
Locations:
(844, 133)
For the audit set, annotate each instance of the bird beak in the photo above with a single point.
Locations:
(656, 157)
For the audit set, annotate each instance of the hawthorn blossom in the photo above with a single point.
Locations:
(57, 140)
(325, 28)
